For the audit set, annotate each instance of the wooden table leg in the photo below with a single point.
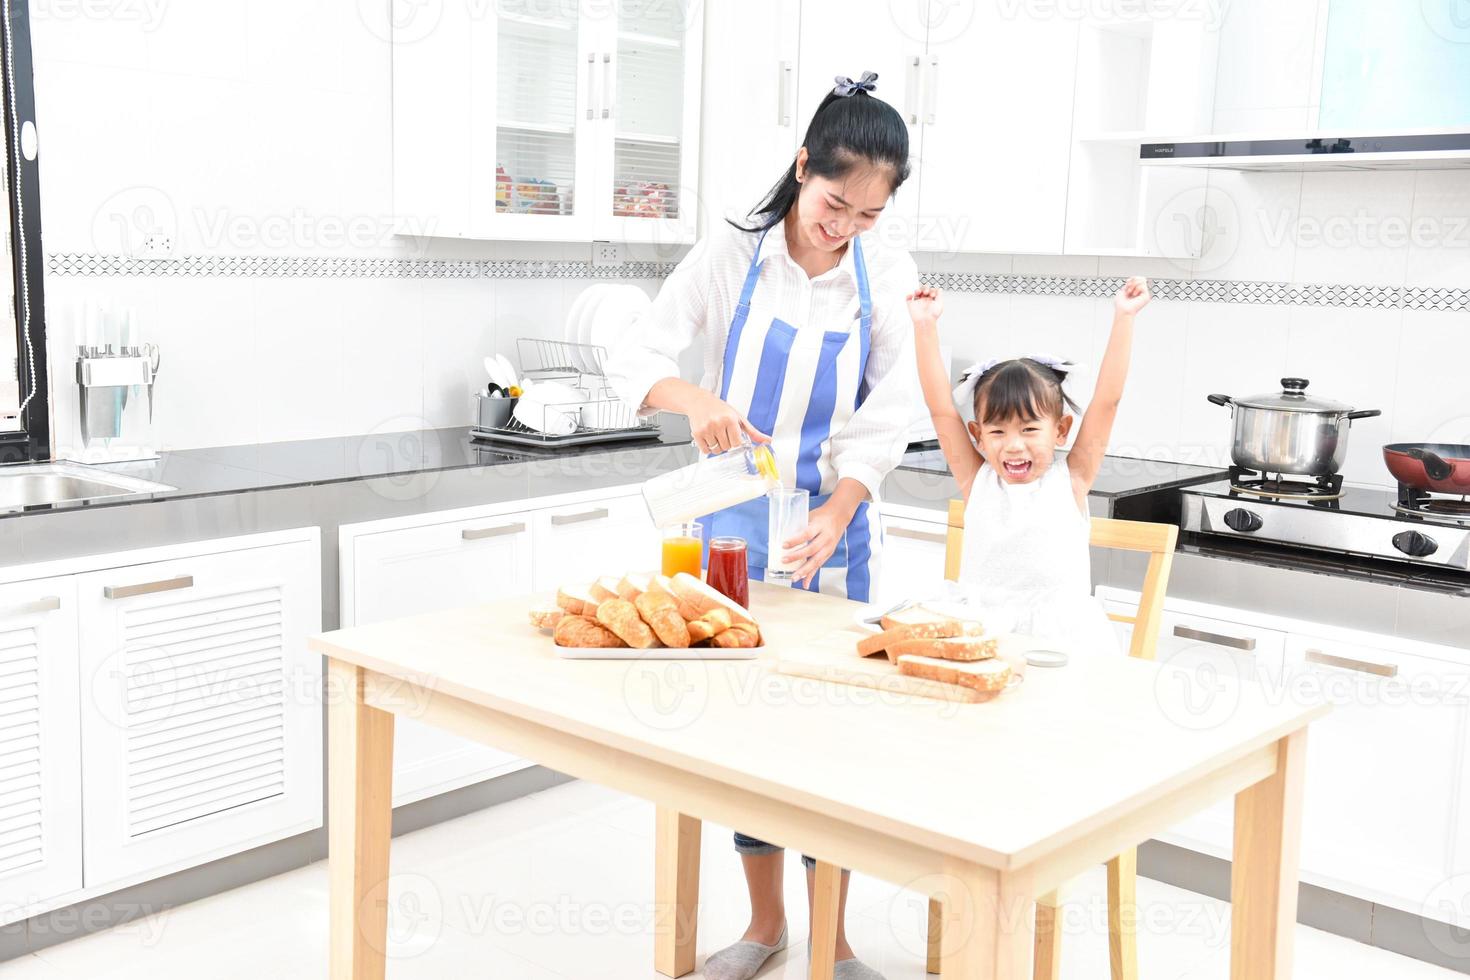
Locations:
(1048, 959)
(936, 936)
(1263, 877)
(676, 892)
(1123, 915)
(360, 825)
(826, 896)
(988, 926)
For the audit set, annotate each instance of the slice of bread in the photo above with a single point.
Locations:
(982, 675)
(577, 600)
(879, 642)
(967, 648)
(912, 616)
(662, 583)
(546, 617)
(702, 598)
(633, 585)
(605, 588)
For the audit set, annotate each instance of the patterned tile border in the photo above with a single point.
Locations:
(1190, 290)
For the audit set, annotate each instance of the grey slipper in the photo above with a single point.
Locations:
(742, 960)
(854, 969)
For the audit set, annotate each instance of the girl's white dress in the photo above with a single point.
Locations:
(1026, 555)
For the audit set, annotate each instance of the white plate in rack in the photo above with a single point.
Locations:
(615, 315)
(572, 331)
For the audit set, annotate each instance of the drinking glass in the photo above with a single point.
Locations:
(788, 510)
(683, 544)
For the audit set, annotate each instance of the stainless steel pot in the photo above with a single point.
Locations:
(1289, 433)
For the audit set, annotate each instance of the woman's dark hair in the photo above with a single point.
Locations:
(1021, 389)
(846, 131)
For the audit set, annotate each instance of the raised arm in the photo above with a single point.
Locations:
(925, 308)
(1087, 453)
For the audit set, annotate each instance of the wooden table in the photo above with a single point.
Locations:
(985, 806)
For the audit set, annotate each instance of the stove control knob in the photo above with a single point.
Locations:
(1415, 544)
(1242, 520)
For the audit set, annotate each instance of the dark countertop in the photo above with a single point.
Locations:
(921, 480)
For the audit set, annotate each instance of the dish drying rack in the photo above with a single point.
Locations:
(597, 418)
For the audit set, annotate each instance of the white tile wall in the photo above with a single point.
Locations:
(263, 128)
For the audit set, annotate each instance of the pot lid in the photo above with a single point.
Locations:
(1293, 397)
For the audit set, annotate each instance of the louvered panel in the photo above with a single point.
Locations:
(536, 112)
(205, 703)
(646, 152)
(21, 831)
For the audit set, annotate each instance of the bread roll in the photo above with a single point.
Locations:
(576, 599)
(580, 631)
(621, 616)
(546, 617)
(703, 598)
(661, 612)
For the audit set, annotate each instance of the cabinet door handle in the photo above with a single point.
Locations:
(783, 94)
(597, 514)
(911, 90)
(147, 588)
(931, 91)
(1347, 663)
(607, 85)
(479, 533)
(591, 84)
(1247, 643)
(47, 603)
(904, 532)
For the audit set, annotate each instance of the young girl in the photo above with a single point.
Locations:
(1026, 520)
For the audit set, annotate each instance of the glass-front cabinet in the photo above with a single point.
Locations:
(548, 120)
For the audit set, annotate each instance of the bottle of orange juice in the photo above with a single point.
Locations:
(683, 547)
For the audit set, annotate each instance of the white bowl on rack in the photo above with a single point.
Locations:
(550, 407)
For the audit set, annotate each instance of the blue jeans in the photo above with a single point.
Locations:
(750, 845)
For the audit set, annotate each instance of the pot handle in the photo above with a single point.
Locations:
(1219, 399)
(1366, 413)
(1435, 465)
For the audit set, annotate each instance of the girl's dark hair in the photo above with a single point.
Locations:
(1021, 389)
(845, 132)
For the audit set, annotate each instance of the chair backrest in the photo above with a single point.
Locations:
(1158, 540)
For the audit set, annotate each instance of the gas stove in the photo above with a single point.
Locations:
(1358, 521)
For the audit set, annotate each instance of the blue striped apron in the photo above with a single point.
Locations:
(853, 567)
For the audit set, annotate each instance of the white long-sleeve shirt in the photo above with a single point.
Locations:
(699, 297)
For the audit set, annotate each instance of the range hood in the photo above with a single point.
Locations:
(1417, 150)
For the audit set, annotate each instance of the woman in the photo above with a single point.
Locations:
(808, 346)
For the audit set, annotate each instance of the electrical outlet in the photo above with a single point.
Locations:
(156, 246)
(606, 253)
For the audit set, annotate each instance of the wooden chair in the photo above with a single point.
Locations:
(1158, 541)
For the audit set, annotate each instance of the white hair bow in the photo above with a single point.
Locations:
(964, 392)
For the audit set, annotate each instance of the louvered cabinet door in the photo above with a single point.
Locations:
(201, 708)
(40, 771)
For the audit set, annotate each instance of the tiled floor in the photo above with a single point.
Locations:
(559, 884)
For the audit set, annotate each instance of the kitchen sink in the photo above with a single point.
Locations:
(39, 484)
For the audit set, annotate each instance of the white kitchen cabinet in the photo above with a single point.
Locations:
(913, 559)
(201, 716)
(430, 562)
(560, 122)
(419, 564)
(997, 116)
(746, 142)
(589, 535)
(40, 751)
(1213, 652)
(865, 37)
(1388, 772)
